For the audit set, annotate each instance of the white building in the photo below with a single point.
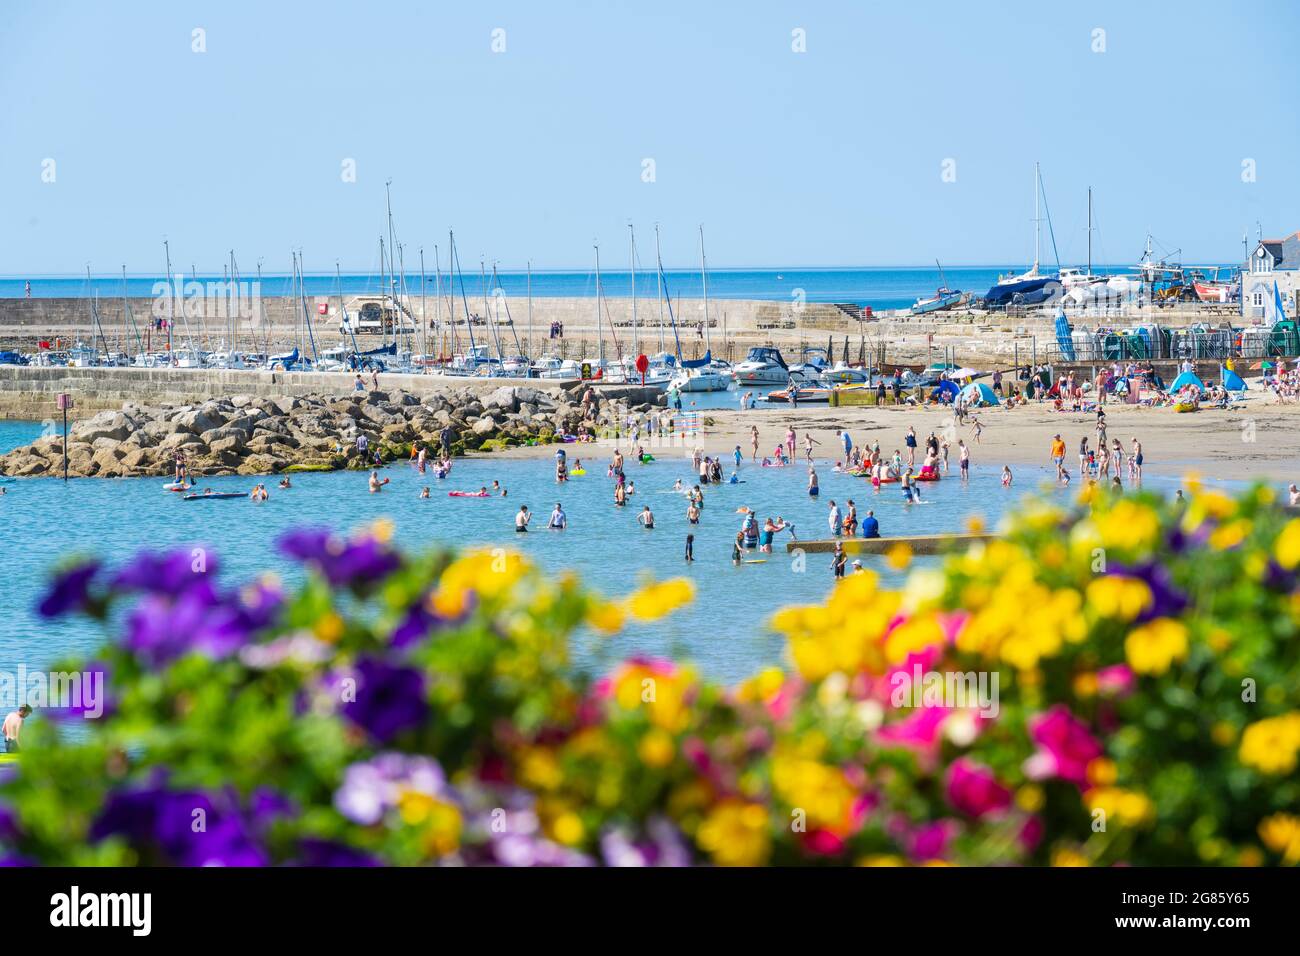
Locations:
(1273, 261)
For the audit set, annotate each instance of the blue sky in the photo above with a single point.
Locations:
(833, 156)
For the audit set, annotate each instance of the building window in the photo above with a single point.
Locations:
(1259, 298)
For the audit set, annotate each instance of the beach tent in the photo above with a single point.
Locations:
(977, 393)
(1231, 380)
(947, 390)
(1185, 379)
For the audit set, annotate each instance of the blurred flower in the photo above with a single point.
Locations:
(1271, 745)
(389, 699)
(974, 790)
(736, 833)
(1065, 746)
(657, 600)
(1154, 646)
(357, 563)
(69, 590)
(1281, 834)
(662, 845)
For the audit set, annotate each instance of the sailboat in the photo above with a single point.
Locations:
(1033, 286)
(944, 298)
(702, 375)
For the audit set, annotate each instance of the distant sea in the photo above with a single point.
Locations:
(880, 287)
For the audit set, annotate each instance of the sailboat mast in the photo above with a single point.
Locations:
(171, 298)
(1038, 223)
(424, 318)
(453, 262)
(659, 283)
(704, 276)
(636, 340)
(530, 314)
(600, 332)
(1089, 230)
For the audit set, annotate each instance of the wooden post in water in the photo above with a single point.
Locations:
(65, 402)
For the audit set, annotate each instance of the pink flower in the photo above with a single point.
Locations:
(930, 840)
(823, 843)
(1065, 746)
(921, 729)
(1031, 834)
(1115, 681)
(974, 790)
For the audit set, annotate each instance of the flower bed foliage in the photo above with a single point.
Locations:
(423, 709)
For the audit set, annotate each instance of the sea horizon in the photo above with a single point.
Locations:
(882, 287)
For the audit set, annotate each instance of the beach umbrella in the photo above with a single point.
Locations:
(977, 393)
(963, 373)
(947, 388)
(1184, 380)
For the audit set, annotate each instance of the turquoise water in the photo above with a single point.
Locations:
(881, 287)
(724, 632)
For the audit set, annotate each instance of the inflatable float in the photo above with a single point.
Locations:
(467, 494)
(1187, 406)
(934, 477)
(578, 472)
(177, 486)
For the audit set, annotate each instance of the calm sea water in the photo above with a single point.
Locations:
(881, 288)
(44, 520)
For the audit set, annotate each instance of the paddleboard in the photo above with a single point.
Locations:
(216, 496)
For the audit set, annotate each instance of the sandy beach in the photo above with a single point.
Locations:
(1252, 439)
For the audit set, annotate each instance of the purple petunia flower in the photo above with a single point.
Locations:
(388, 699)
(357, 563)
(662, 845)
(171, 573)
(1167, 599)
(161, 629)
(69, 591)
(184, 828)
(372, 788)
(326, 853)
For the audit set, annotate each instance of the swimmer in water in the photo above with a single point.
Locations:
(690, 547)
(631, 487)
(376, 484)
(425, 492)
(285, 483)
(677, 486)
(646, 518)
(522, 519)
(1006, 476)
(559, 520)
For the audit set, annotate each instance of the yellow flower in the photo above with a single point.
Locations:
(899, 556)
(1118, 596)
(736, 833)
(1067, 856)
(1229, 535)
(656, 749)
(763, 686)
(656, 600)
(1126, 806)
(1287, 547)
(1154, 646)
(540, 768)
(660, 689)
(819, 790)
(567, 828)
(485, 573)
(440, 821)
(882, 859)
(1270, 745)
(1030, 798)
(1128, 525)
(329, 627)
(605, 616)
(1101, 771)
(382, 530)
(1281, 834)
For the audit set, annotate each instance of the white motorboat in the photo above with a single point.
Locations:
(708, 378)
(762, 366)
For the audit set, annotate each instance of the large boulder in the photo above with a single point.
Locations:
(112, 425)
(201, 420)
(484, 426)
